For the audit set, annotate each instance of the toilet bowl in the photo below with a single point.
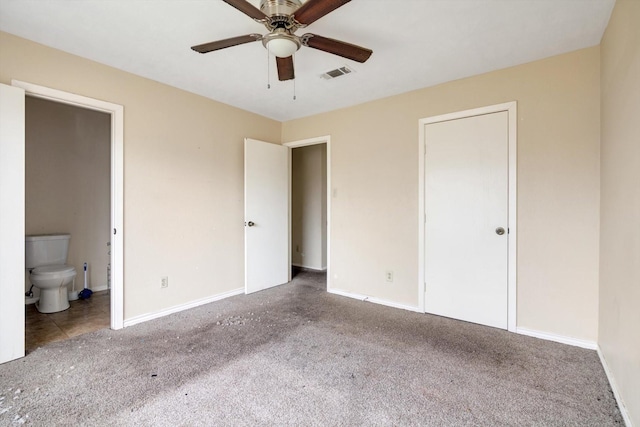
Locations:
(45, 257)
(52, 280)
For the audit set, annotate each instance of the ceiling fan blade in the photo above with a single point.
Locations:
(247, 8)
(346, 50)
(313, 10)
(285, 68)
(221, 44)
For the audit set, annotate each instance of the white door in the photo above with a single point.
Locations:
(12, 272)
(466, 206)
(266, 214)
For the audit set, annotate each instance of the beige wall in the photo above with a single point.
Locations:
(374, 160)
(619, 325)
(67, 157)
(183, 174)
(309, 206)
(183, 182)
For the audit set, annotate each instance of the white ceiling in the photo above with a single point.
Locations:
(415, 43)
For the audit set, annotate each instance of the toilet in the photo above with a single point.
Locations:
(45, 258)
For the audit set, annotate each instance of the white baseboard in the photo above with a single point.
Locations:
(373, 300)
(591, 346)
(614, 387)
(177, 308)
(308, 268)
(558, 338)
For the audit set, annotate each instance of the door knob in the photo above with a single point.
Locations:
(499, 231)
(251, 223)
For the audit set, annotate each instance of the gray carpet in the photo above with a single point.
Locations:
(296, 355)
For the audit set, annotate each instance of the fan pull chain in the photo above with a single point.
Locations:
(294, 77)
(268, 70)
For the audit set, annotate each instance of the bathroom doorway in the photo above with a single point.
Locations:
(116, 112)
(12, 239)
(68, 190)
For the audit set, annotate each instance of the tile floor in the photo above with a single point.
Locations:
(82, 317)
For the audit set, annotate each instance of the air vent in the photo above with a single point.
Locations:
(336, 73)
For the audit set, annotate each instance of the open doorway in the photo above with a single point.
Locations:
(309, 208)
(310, 202)
(12, 238)
(268, 203)
(12, 294)
(68, 192)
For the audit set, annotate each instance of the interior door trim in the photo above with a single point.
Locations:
(326, 139)
(511, 109)
(116, 112)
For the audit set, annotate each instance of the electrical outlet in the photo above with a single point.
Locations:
(164, 282)
(389, 276)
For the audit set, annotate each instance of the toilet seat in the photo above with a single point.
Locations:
(53, 270)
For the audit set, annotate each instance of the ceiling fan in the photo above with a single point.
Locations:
(283, 18)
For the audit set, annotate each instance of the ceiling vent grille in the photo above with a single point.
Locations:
(338, 72)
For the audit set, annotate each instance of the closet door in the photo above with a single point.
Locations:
(466, 221)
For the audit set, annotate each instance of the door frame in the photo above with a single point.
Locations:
(304, 143)
(116, 112)
(511, 109)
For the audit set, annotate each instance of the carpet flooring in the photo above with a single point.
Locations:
(296, 355)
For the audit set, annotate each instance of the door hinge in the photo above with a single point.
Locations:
(114, 231)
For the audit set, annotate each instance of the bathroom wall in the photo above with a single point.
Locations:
(309, 206)
(68, 169)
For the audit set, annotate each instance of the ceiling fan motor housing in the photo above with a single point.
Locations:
(274, 8)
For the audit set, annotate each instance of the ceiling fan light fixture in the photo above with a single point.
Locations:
(281, 43)
(282, 48)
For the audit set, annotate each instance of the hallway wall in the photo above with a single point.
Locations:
(309, 206)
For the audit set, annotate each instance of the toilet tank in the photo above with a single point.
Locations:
(49, 249)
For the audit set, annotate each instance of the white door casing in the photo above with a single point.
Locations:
(467, 270)
(12, 154)
(116, 112)
(266, 186)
